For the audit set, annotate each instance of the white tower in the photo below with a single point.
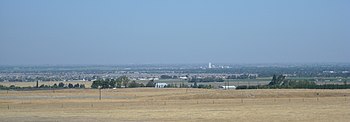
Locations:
(209, 65)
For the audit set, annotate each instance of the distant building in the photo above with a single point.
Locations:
(209, 65)
(184, 78)
(160, 85)
(228, 87)
(153, 78)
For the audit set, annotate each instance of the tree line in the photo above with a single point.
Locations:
(43, 86)
(280, 82)
(206, 79)
(120, 82)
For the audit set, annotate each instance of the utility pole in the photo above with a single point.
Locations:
(100, 94)
(99, 89)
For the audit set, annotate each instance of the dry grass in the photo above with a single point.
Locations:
(149, 104)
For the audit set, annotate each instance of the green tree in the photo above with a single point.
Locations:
(133, 84)
(119, 82)
(70, 85)
(113, 83)
(150, 83)
(125, 80)
(273, 81)
(77, 85)
(61, 85)
(195, 85)
(96, 84)
(110, 83)
(12, 87)
(142, 85)
(105, 83)
(55, 86)
(280, 80)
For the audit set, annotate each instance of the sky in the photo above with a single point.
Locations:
(35, 32)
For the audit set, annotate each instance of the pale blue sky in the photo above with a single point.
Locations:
(173, 31)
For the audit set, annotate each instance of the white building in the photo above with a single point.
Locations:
(184, 78)
(160, 85)
(228, 87)
(153, 78)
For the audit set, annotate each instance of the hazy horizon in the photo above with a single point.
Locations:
(84, 32)
(201, 64)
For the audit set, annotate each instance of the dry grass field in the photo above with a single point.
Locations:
(149, 104)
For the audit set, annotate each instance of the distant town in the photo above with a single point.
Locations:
(316, 72)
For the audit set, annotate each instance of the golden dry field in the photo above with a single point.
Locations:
(150, 104)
